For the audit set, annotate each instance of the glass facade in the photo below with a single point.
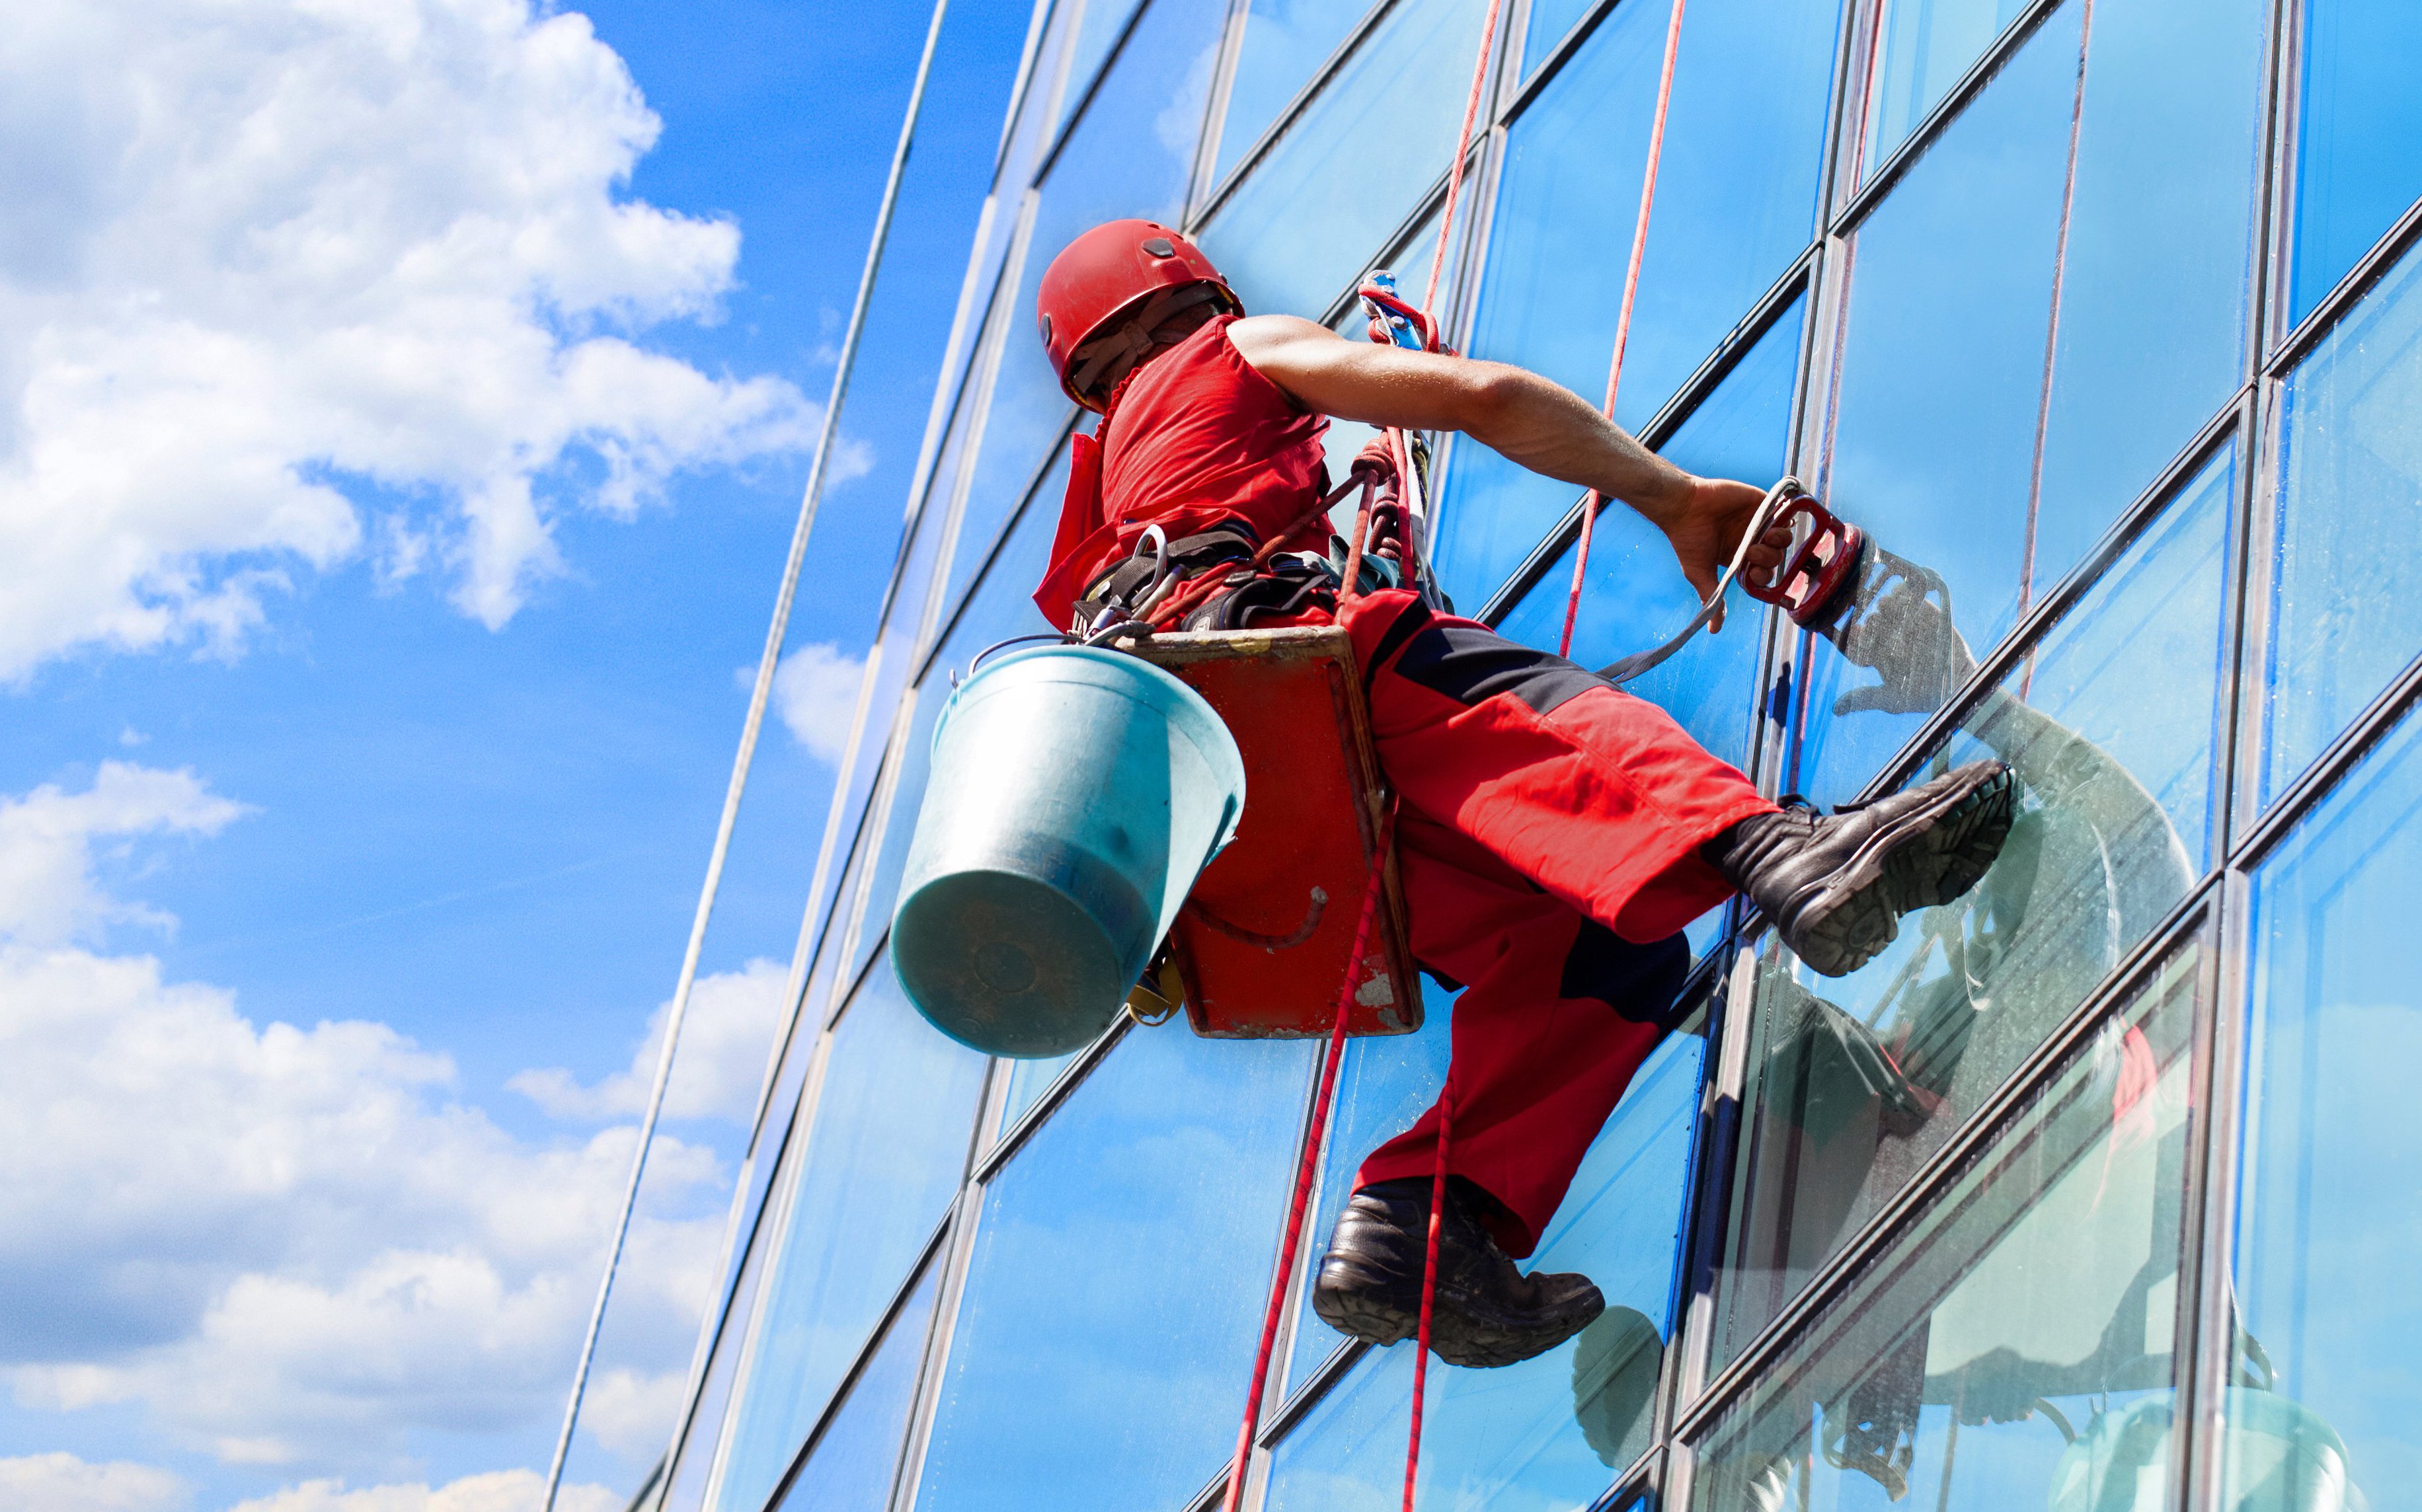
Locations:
(2104, 319)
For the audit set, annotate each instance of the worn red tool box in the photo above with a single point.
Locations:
(1262, 943)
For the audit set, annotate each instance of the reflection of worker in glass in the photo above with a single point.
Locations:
(2077, 1296)
(1554, 834)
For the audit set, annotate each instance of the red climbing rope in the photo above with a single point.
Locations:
(1314, 1137)
(1400, 452)
(1623, 317)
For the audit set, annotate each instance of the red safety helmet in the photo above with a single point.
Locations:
(1104, 278)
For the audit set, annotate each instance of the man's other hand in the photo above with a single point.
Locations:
(1706, 530)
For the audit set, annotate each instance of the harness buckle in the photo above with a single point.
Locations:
(1814, 577)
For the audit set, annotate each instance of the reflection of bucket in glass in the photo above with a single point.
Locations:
(2280, 1456)
(1075, 797)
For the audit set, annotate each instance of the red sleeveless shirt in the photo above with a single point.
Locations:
(1193, 438)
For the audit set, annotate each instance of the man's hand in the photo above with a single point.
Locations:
(1532, 420)
(1705, 529)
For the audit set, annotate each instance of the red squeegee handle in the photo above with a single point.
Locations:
(1817, 571)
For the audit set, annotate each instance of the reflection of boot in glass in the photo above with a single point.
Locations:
(1835, 885)
(1614, 1383)
(1874, 1430)
(1828, 1068)
(1486, 1312)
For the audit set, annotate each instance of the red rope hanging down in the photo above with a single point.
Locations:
(1623, 318)
(1314, 1137)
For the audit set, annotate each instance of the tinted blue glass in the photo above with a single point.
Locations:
(1548, 23)
(1942, 349)
(694, 1456)
(2342, 620)
(2159, 264)
(1944, 442)
(1097, 28)
(1383, 1087)
(2012, 1347)
(884, 1155)
(2332, 1144)
(1284, 44)
(2359, 117)
(895, 657)
(1128, 155)
(1636, 595)
(1353, 165)
(1001, 606)
(1735, 201)
(1852, 1083)
(1114, 1298)
(858, 1457)
(1553, 1431)
(1029, 1079)
(1922, 49)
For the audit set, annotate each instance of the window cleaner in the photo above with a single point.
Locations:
(1554, 834)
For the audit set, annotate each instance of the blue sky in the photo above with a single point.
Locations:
(405, 421)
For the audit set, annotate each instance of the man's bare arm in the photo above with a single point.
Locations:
(1532, 420)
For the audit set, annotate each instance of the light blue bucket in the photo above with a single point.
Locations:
(1073, 798)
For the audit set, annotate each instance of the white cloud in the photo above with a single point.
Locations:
(815, 693)
(48, 894)
(63, 1483)
(504, 1491)
(725, 1040)
(295, 1246)
(632, 1411)
(271, 266)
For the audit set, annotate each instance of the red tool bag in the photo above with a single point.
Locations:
(1265, 938)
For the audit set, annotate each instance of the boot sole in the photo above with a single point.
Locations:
(1455, 1337)
(1925, 859)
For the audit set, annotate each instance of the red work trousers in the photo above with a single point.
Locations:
(1549, 829)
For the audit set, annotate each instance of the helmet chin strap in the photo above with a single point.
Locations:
(1107, 358)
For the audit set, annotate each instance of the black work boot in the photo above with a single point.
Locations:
(1486, 1312)
(1835, 885)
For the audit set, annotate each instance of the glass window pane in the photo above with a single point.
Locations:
(1943, 437)
(1284, 44)
(1549, 21)
(1114, 1298)
(694, 1455)
(1853, 1082)
(858, 1457)
(1553, 1431)
(2327, 1225)
(2359, 117)
(1354, 165)
(1736, 202)
(2013, 1346)
(2342, 622)
(1636, 595)
(1922, 49)
(883, 1156)
(1129, 155)
(1942, 347)
(2159, 264)
(1096, 28)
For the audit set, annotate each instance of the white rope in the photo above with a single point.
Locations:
(758, 696)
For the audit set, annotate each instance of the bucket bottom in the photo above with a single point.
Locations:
(1010, 965)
